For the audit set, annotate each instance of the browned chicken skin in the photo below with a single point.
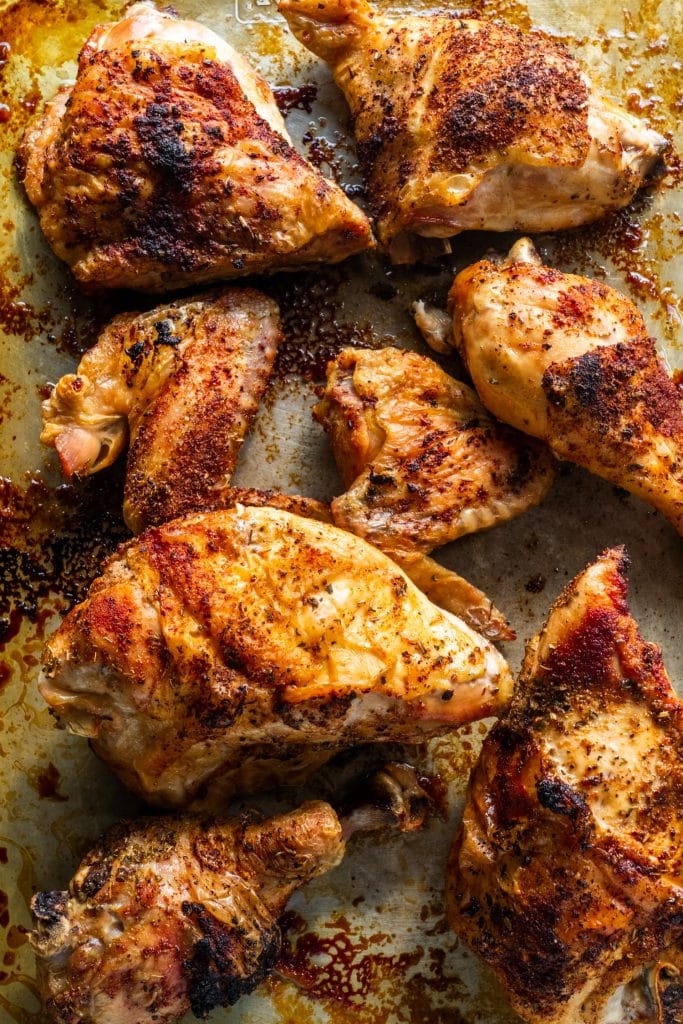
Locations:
(566, 875)
(569, 361)
(422, 460)
(184, 380)
(238, 649)
(168, 164)
(464, 124)
(165, 915)
(442, 586)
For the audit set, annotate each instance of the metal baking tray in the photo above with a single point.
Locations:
(369, 942)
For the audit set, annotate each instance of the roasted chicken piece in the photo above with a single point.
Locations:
(165, 915)
(566, 875)
(465, 124)
(442, 586)
(234, 650)
(422, 461)
(184, 381)
(168, 164)
(569, 360)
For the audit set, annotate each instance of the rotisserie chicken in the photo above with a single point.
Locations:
(465, 124)
(168, 164)
(165, 915)
(238, 649)
(566, 875)
(422, 461)
(569, 360)
(184, 381)
(441, 585)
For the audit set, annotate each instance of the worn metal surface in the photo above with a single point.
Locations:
(371, 939)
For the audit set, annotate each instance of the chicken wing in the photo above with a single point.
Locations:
(168, 164)
(566, 875)
(465, 124)
(442, 586)
(184, 381)
(165, 915)
(238, 649)
(569, 360)
(422, 461)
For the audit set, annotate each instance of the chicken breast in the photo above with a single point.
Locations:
(165, 915)
(442, 586)
(569, 361)
(422, 461)
(233, 650)
(465, 124)
(184, 382)
(566, 874)
(167, 164)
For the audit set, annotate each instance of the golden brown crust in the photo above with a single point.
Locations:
(569, 360)
(566, 875)
(160, 172)
(227, 650)
(422, 460)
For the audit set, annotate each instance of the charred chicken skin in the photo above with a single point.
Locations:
(183, 382)
(467, 125)
(165, 915)
(422, 460)
(237, 649)
(569, 360)
(566, 875)
(168, 164)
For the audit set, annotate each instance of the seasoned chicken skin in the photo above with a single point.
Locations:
(569, 360)
(231, 650)
(465, 124)
(566, 874)
(168, 164)
(422, 461)
(184, 381)
(442, 586)
(165, 915)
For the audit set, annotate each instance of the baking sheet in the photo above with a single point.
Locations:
(371, 942)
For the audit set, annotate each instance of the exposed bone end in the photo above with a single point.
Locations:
(523, 251)
(79, 451)
(391, 797)
(435, 326)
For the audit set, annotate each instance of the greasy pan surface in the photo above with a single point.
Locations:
(370, 941)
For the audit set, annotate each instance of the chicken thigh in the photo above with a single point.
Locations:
(465, 124)
(168, 164)
(566, 875)
(422, 461)
(237, 649)
(165, 915)
(184, 381)
(569, 361)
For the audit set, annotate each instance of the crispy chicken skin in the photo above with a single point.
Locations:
(566, 874)
(442, 586)
(168, 164)
(237, 649)
(184, 381)
(422, 460)
(465, 124)
(165, 915)
(569, 361)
